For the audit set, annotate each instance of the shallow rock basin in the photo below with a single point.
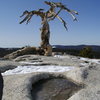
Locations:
(54, 89)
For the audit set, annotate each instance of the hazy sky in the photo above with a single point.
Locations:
(85, 31)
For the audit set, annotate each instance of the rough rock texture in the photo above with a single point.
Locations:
(86, 74)
(92, 89)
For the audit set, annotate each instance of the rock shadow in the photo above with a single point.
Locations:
(1, 86)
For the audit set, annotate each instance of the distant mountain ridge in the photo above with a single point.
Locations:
(77, 47)
(96, 48)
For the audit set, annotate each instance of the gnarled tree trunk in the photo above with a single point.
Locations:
(45, 36)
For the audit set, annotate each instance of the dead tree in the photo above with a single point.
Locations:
(47, 16)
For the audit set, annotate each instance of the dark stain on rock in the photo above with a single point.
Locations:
(1, 86)
(85, 74)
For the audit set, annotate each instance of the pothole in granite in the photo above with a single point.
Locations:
(54, 88)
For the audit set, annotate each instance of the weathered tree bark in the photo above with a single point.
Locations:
(45, 36)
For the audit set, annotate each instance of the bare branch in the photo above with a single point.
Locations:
(28, 20)
(51, 14)
(63, 7)
(30, 14)
(72, 13)
(64, 23)
(55, 15)
(24, 13)
(24, 19)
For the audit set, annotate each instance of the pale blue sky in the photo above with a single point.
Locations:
(85, 31)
